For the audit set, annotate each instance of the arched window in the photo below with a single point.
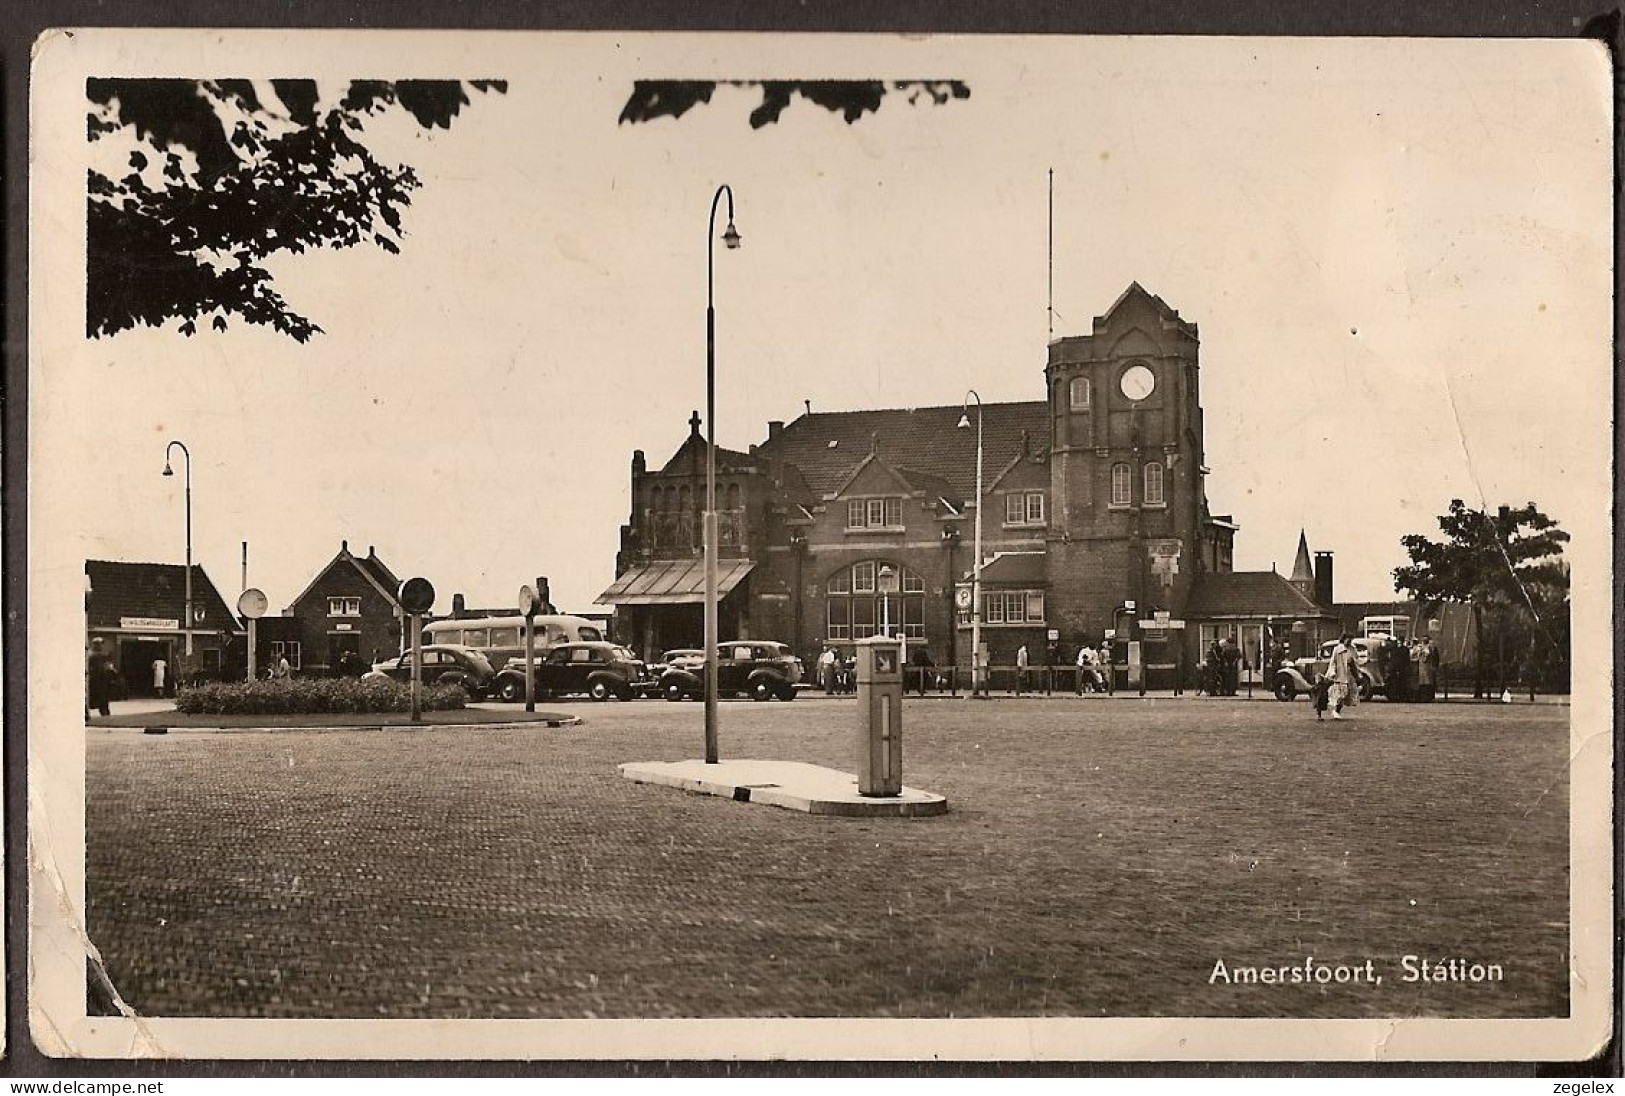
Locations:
(1153, 484)
(685, 498)
(657, 499)
(1079, 395)
(1120, 484)
(875, 597)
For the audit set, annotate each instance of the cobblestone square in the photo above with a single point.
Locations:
(1099, 857)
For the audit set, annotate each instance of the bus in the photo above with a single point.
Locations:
(501, 638)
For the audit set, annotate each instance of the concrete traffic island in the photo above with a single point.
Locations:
(876, 791)
(793, 785)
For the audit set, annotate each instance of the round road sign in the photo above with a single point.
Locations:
(252, 604)
(417, 595)
(527, 601)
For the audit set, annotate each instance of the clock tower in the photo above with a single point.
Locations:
(1129, 509)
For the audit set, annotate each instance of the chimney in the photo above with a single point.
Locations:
(638, 465)
(775, 427)
(344, 546)
(372, 551)
(544, 595)
(458, 606)
(1323, 578)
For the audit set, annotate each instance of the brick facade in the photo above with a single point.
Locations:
(1076, 521)
(372, 630)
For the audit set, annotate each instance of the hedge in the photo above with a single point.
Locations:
(303, 696)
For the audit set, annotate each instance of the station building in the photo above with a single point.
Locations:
(136, 613)
(841, 525)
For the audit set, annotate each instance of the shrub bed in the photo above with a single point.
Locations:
(313, 695)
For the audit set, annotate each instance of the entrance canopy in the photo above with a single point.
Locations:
(673, 582)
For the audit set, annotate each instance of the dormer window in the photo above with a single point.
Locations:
(1079, 393)
(863, 514)
(1024, 508)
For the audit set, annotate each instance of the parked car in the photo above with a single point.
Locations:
(764, 670)
(1300, 676)
(443, 664)
(601, 670)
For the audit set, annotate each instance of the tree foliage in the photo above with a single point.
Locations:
(218, 179)
(852, 99)
(1508, 566)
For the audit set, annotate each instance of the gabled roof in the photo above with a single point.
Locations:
(155, 591)
(1136, 291)
(1026, 568)
(919, 437)
(1248, 594)
(370, 567)
(686, 458)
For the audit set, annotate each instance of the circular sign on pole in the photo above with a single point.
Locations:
(251, 603)
(527, 601)
(417, 595)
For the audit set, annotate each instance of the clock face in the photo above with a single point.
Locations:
(1137, 382)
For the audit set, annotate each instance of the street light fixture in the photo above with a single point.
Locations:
(730, 237)
(186, 624)
(976, 565)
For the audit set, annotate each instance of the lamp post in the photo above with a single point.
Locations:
(186, 624)
(976, 564)
(730, 237)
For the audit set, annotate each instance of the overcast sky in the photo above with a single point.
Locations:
(1397, 253)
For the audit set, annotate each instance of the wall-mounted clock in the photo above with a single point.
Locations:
(1137, 382)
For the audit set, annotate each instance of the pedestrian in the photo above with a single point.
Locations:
(1213, 669)
(826, 670)
(160, 670)
(1088, 674)
(99, 675)
(1427, 671)
(1021, 668)
(1344, 675)
(1318, 695)
(280, 670)
(1107, 670)
(1231, 665)
(921, 661)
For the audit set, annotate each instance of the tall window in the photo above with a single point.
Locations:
(1153, 484)
(1120, 484)
(874, 513)
(1079, 393)
(865, 602)
(733, 497)
(344, 606)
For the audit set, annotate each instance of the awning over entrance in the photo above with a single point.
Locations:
(673, 582)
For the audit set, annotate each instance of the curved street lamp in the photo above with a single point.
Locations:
(168, 471)
(976, 566)
(730, 237)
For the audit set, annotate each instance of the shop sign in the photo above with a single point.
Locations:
(149, 624)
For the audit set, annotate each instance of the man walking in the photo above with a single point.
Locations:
(1344, 676)
(160, 670)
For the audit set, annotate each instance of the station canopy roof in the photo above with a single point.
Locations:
(673, 582)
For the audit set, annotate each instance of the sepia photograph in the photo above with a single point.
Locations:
(820, 547)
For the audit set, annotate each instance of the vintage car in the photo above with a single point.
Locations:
(443, 664)
(764, 670)
(1300, 676)
(601, 670)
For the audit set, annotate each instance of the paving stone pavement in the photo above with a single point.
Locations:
(1097, 859)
